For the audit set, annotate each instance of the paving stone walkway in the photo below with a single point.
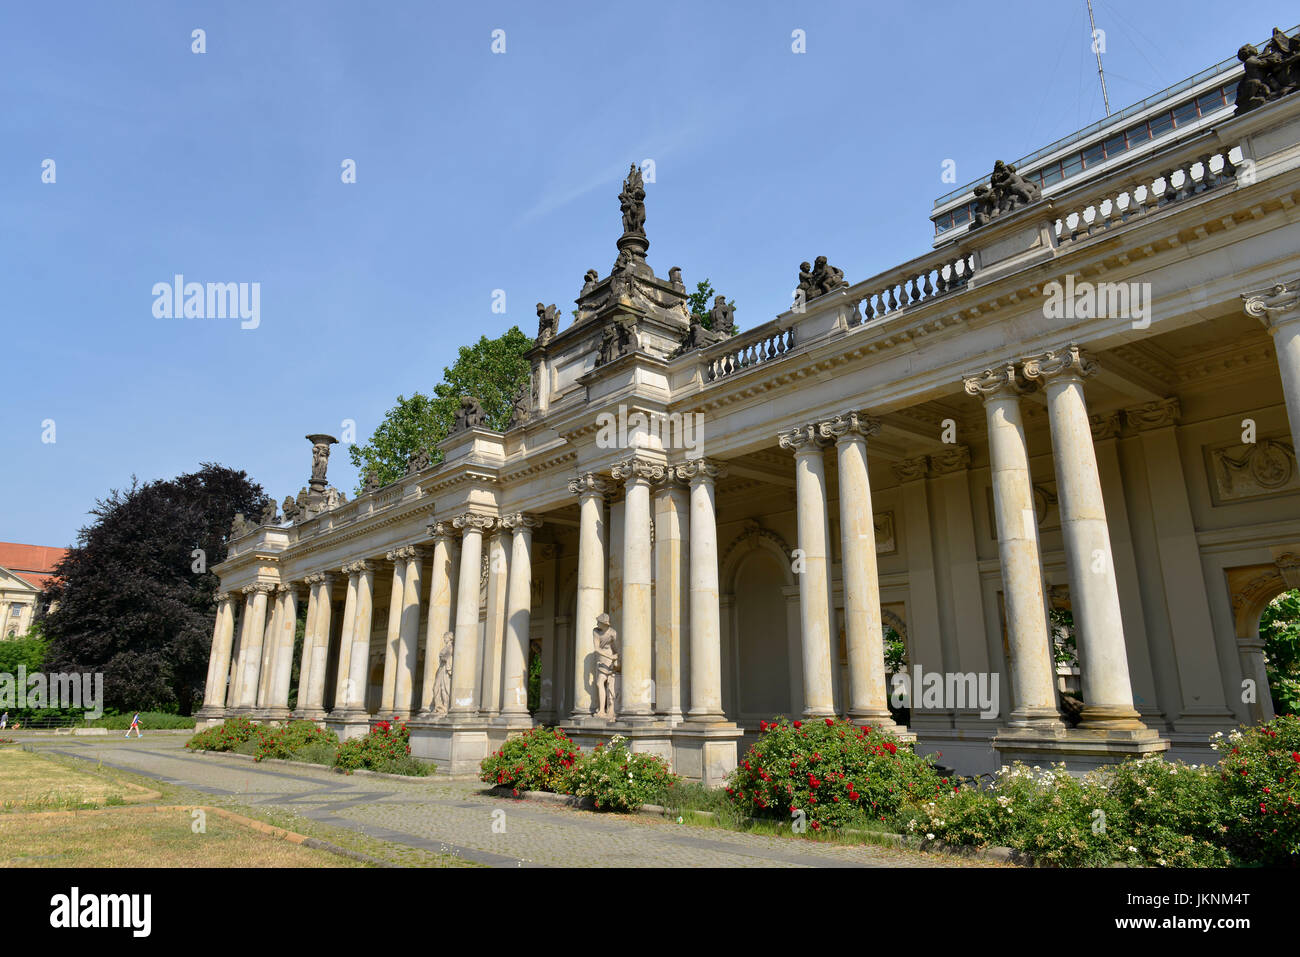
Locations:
(457, 817)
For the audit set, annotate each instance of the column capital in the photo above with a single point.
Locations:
(954, 459)
(1104, 426)
(910, 470)
(1000, 382)
(440, 531)
(222, 596)
(588, 483)
(1275, 305)
(635, 467)
(520, 521)
(848, 426)
(699, 470)
(473, 520)
(1070, 362)
(403, 553)
(264, 587)
(356, 568)
(1153, 415)
(801, 439)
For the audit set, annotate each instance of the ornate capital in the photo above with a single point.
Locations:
(473, 520)
(802, 438)
(356, 568)
(953, 459)
(1104, 426)
(588, 483)
(1000, 382)
(266, 588)
(848, 426)
(635, 467)
(519, 521)
(1070, 362)
(1274, 305)
(442, 530)
(222, 596)
(699, 470)
(909, 470)
(1153, 415)
(402, 554)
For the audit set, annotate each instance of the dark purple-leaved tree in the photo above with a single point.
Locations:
(134, 598)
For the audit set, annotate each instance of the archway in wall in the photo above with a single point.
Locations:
(760, 675)
(1266, 619)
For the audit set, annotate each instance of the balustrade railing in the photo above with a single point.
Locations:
(747, 349)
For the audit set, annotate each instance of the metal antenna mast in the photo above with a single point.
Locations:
(1096, 48)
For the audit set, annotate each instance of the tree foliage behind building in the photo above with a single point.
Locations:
(127, 599)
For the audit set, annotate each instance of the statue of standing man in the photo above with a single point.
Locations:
(605, 639)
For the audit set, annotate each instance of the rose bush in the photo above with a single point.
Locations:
(537, 760)
(836, 773)
(225, 736)
(286, 741)
(386, 747)
(619, 779)
(1259, 786)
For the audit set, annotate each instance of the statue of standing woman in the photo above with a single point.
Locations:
(605, 639)
(442, 677)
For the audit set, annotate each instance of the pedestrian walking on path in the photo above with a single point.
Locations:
(135, 726)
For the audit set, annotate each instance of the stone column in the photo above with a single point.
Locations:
(408, 651)
(236, 694)
(397, 558)
(286, 632)
(864, 630)
(1032, 671)
(255, 634)
(440, 593)
(519, 604)
(308, 640)
(311, 690)
(814, 579)
(344, 670)
(1278, 307)
(464, 672)
(494, 623)
(637, 635)
(223, 634)
(705, 618)
(590, 489)
(1094, 594)
(671, 590)
(359, 660)
(266, 669)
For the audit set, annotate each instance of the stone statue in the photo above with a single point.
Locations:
(268, 514)
(291, 509)
(605, 639)
(522, 410)
(418, 461)
(1268, 75)
(675, 277)
(371, 480)
(239, 527)
(614, 342)
(819, 279)
(320, 457)
(469, 415)
(1007, 190)
(442, 677)
(548, 321)
(589, 281)
(632, 202)
(334, 498)
(724, 316)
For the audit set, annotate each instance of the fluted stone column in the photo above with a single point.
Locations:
(408, 651)
(223, 634)
(236, 694)
(440, 595)
(397, 558)
(343, 672)
(637, 636)
(1278, 307)
(464, 672)
(864, 629)
(266, 669)
(286, 631)
(705, 619)
(359, 660)
(255, 635)
(1094, 594)
(590, 489)
(494, 622)
(672, 588)
(311, 683)
(308, 636)
(519, 602)
(1032, 670)
(814, 579)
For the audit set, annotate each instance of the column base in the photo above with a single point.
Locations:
(276, 715)
(209, 717)
(653, 736)
(348, 724)
(706, 752)
(1105, 717)
(456, 744)
(310, 714)
(1081, 749)
(884, 723)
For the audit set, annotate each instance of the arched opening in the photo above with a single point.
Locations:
(761, 638)
(1279, 632)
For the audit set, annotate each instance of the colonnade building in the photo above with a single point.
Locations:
(1054, 457)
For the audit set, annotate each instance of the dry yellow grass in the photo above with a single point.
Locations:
(31, 781)
(139, 837)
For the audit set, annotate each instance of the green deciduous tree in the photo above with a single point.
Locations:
(1279, 627)
(492, 371)
(701, 301)
(135, 595)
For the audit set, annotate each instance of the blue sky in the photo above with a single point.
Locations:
(475, 171)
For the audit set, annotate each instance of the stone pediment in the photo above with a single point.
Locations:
(10, 581)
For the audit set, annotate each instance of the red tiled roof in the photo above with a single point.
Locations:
(34, 564)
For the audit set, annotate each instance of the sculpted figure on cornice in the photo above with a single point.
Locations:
(469, 415)
(548, 322)
(1007, 190)
(1269, 75)
(819, 279)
